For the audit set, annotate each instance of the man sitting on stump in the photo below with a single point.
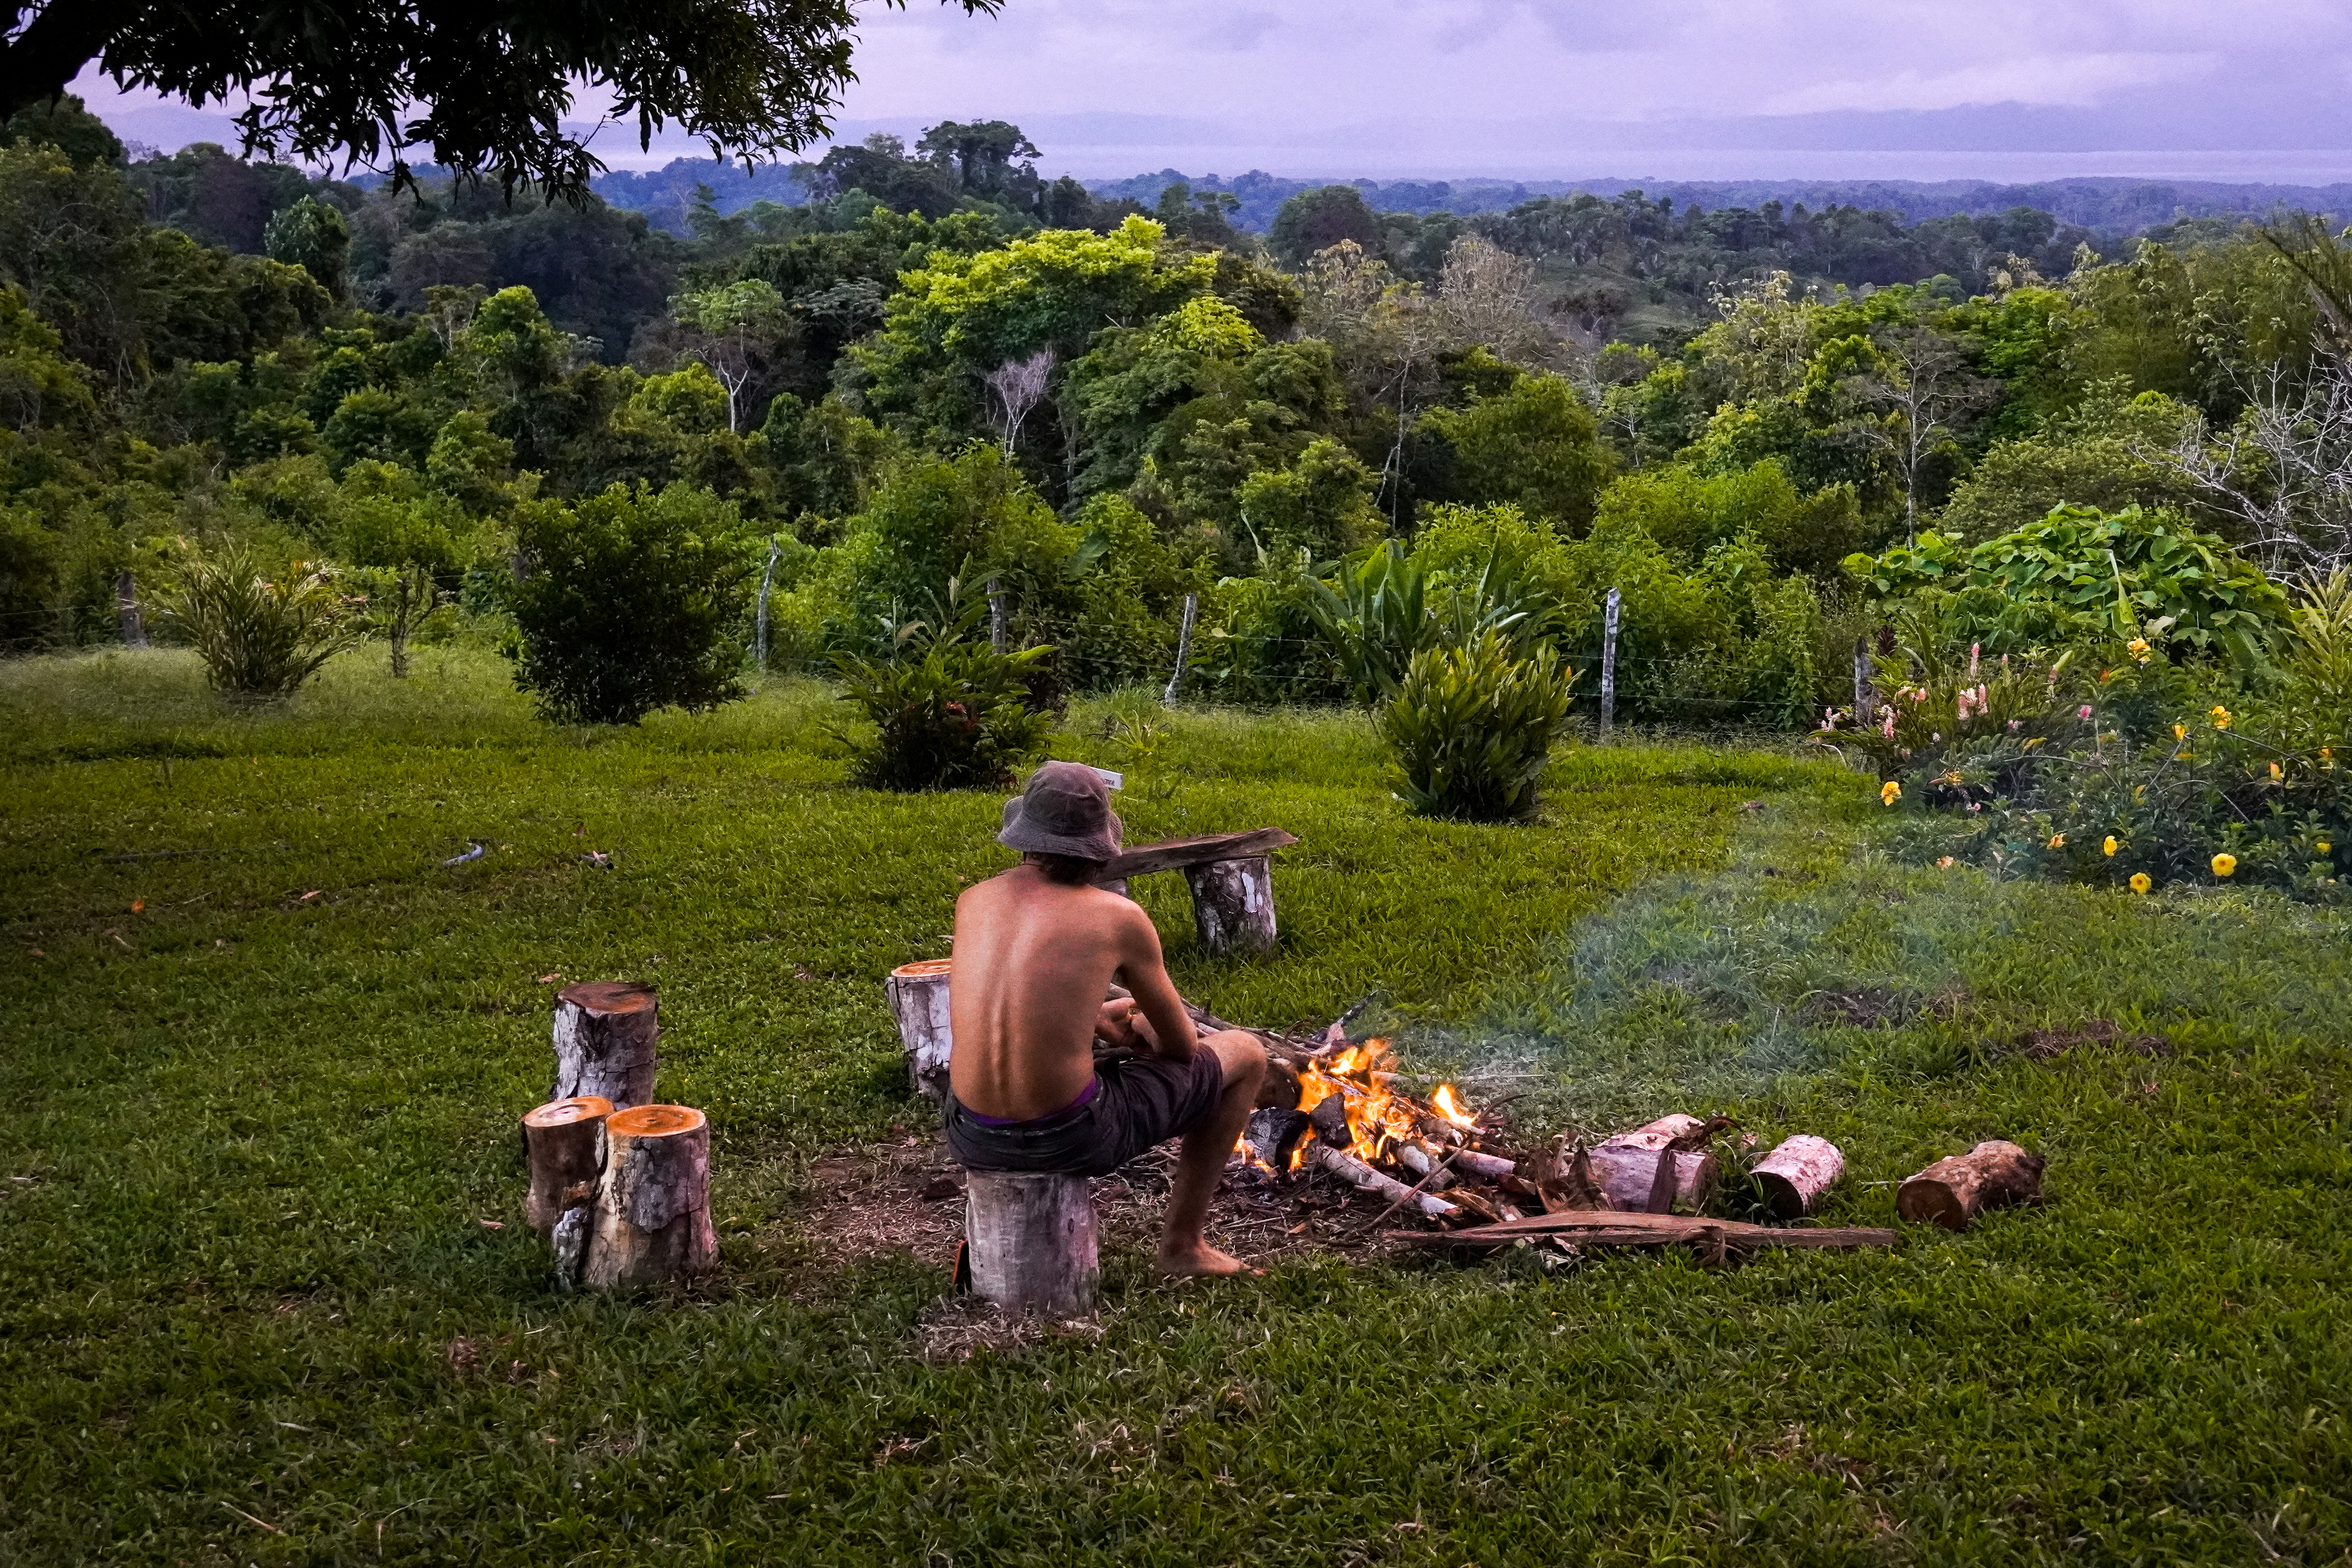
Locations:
(1036, 950)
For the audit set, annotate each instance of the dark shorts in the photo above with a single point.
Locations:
(1139, 1101)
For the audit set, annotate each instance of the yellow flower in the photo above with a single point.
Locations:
(2140, 883)
(2109, 845)
(2137, 647)
(1889, 793)
(2326, 848)
(2180, 732)
(2221, 717)
(2224, 864)
(2275, 773)
(2057, 841)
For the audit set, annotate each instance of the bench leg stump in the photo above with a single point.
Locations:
(1232, 904)
(1030, 1241)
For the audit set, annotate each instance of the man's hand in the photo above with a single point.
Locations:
(1116, 1025)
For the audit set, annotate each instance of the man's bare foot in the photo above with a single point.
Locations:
(1200, 1260)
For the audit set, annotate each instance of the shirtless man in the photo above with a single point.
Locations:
(1035, 949)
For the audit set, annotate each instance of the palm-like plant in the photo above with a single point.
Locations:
(260, 637)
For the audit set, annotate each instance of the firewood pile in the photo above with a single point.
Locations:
(1343, 1113)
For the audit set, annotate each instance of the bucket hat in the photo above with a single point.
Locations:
(1066, 810)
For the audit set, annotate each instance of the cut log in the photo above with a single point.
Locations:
(1179, 853)
(1354, 1171)
(1422, 1162)
(1695, 1168)
(1031, 1241)
(1796, 1174)
(1329, 1116)
(652, 1221)
(918, 995)
(565, 1142)
(1952, 1191)
(606, 1032)
(1232, 904)
(1635, 1181)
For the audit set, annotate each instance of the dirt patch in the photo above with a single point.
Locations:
(1876, 1007)
(2045, 1044)
(867, 1201)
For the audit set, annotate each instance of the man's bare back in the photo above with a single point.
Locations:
(1034, 959)
(1037, 951)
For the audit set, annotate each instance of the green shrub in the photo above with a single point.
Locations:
(630, 601)
(1472, 727)
(950, 713)
(260, 637)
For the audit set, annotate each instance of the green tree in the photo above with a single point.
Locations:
(312, 236)
(1535, 446)
(1313, 221)
(340, 77)
(737, 331)
(632, 600)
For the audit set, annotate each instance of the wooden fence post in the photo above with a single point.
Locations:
(759, 632)
(1000, 621)
(1866, 700)
(1183, 649)
(1608, 664)
(126, 608)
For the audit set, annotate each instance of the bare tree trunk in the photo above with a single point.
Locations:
(1183, 649)
(1952, 1191)
(652, 1221)
(1031, 1236)
(607, 1036)
(400, 629)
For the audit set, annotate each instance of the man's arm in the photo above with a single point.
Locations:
(1146, 976)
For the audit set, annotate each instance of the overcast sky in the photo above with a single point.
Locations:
(1554, 88)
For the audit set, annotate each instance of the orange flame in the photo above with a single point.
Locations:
(1445, 1105)
(1377, 1117)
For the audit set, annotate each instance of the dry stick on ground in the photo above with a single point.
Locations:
(652, 1220)
(1952, 1191)
(565, 1142)
(606, 1037)
(1796, 1174)
(1602, 1228)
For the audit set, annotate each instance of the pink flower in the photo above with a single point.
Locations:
(2084, 711)
(2013, 725)
(1972, 659)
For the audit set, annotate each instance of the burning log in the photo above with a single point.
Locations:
(652, 1219)
(606, 1032)
(1274, 1133)
(1349, 1169)
(1030, 1237)
(1796, 1174)
(1952, 1191)
(1425, 1165)
(566, 1143)
(1684, 1138)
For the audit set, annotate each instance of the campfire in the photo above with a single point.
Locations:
(1352, 1120)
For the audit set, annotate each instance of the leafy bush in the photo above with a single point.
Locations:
(630, 601)
(260, 637)
(1472, 726)
(950, 713)
(2085, 576)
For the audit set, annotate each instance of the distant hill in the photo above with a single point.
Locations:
(2111, 206)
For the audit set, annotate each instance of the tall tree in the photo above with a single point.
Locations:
(485, 89)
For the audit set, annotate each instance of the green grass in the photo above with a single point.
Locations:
(254, 1127)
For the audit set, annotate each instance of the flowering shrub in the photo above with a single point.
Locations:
(2125, 776)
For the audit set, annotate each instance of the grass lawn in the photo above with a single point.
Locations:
(264, 1055)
